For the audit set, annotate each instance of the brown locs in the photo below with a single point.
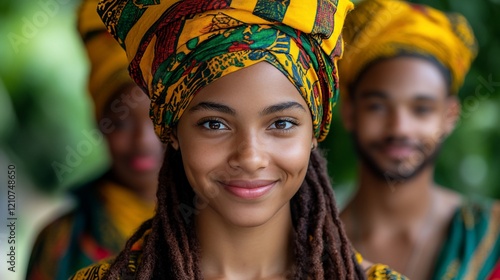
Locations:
(171, 250)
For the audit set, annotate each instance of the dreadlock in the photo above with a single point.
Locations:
(171, 249)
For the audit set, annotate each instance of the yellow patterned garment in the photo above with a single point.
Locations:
(105, 217)
(383, 272)
(376, 272)
(107, 59)
(176, 48)
(98, 271)
(386, 28)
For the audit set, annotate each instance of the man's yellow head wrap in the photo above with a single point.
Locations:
(379, 29)
(107, 59)
(175, 48)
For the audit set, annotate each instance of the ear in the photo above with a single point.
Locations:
(347, 113)
(452, 114)
(314, 143)
(174, 141)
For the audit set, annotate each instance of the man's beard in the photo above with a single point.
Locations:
(400, 175)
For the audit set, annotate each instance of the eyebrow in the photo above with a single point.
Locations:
(282, 107)
(212, 106)
(425, 97)
(373, 94)
(384, 95)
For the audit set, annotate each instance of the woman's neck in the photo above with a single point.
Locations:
(232, 252)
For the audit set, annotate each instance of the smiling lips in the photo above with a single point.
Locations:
(249, 189)
(398, 152)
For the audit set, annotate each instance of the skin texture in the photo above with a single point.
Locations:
(399, 114)
(136, 152)
(249, 128)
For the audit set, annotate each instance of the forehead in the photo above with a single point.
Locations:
(128, 100)
(257, 84)
(403, 78)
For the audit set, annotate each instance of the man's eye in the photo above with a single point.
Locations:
(375, 107)
(422, 110)
(123, 124)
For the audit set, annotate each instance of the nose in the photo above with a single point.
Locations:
(144, 136)
(400, 123)
(249, 153)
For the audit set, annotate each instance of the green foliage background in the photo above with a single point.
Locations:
(45, 113)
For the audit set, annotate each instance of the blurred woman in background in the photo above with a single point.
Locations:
(110, 208)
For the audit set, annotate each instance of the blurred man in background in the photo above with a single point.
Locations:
(403, 67)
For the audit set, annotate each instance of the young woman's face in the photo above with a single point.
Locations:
(245, 142)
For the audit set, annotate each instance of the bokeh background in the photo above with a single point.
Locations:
(47, 129)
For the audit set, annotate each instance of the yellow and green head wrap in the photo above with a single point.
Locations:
(107, 59)
(379, 29)
(175, 48)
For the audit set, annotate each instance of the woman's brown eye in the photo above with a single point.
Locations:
(280, 124)
(214, 125)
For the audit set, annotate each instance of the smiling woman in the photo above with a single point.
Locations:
(249, 143)
(242, 92)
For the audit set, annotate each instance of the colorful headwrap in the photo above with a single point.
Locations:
(379, 29)
(108, 61)
(175, 48)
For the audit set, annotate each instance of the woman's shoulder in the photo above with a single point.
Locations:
(383, 272)
(378, 271)
(94, 272)
(99, 270)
